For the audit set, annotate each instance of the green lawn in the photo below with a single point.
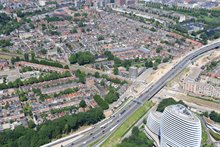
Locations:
(205, 138)
(5, 57)
(138, 64)
(214, 135)
(116, 137)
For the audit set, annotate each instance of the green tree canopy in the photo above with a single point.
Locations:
(112, 96)
(82, 58)
(82, 104)
(137, 139)
(167, 102)
(102, 103)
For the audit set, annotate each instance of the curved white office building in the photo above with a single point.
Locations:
(153, 122)
(179, 127)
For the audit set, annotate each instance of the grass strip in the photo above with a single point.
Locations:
(116, 137)
(214, 135)
(5, 57)
(95, 142)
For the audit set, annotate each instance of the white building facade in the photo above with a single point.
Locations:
(179, 127)
(153, 123)
(176, 127)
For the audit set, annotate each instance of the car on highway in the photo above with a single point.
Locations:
(122, 112)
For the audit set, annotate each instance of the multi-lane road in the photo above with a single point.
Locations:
(103, 129)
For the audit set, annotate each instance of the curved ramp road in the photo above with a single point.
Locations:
(103, 129)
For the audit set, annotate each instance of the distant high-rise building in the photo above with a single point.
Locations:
(133, 72)
(120, 2)
(130, 2)
(179, 127)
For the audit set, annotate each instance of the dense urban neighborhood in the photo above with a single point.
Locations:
(111, 73)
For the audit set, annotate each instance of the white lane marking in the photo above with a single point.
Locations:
(113, 128)
(105, 124)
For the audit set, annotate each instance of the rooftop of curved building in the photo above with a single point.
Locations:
(181, 111)
(156, 114)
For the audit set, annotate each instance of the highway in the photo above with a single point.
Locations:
(103, 129)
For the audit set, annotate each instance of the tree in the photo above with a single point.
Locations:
(135, 131)
(18, 82)
(214, 116)
(112, 96)
(15, 59)
(73, 59)
(1, 7)
(181, 29)
(115, 70)
(88, 29)
(27, 109)
(166, 59)
(26, 57)
(100, 37)
(31, 124)
(158, 50)
(137, 139)
(109, 55)
(6, 105)
(23, 98)
(74, 30)
(102, 83)
(31, 25)
(153, 29)
(85, 58)
(167, 102)
(32, 56)
(118, 62)
(66, 67)
(82, 104)
(126, 63)
(49, 130)
(81, 76)
(204, 36)
(85, 14)
(81, 24)
(82, 58)
(46, 77)
(155, 65)
(8, 24)
(103, 104)
(43, 51)
(97, 75)
(4, 80)
(77, 14)
(5, 43)
(206, 114)
(158, 60)
(149, 64)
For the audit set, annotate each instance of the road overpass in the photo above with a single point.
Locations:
(103, 129)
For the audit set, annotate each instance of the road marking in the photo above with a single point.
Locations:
(113, 128)
(106, 124)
